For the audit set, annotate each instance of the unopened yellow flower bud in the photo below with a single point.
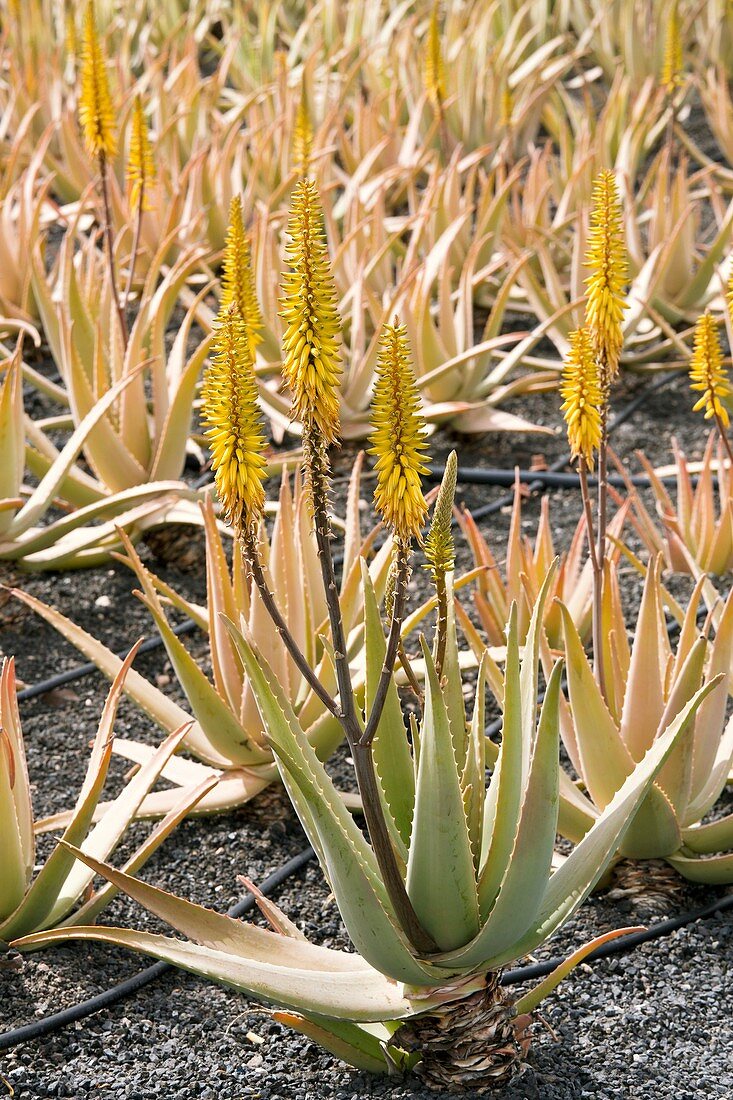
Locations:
(439, 547)
(707, 373)
(311, 360)
(140, 166)
(398, 439)
(606, 258)
(234, 425)
(582, 397)
(302, 136)
(238, 281)
(672, 65)
(434, 65)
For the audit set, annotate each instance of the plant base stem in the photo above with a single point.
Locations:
(474, 1044)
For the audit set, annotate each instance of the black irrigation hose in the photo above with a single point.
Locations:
(620, 418)
(89, 667)
(112, 996)
(621, 945)
(536, 479)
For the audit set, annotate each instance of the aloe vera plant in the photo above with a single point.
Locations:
(694, 528)
(88, 533)
(476, 866)
(61, 892)
(648, 687)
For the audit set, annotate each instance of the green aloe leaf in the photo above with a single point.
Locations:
(390, 748)
(575, 878)
(525, 882)
(604, 759)
(504, 796)
(440, 871)
(45, 890)
(357, 994)
(713, 870)
(352, 1043)
(346, 858)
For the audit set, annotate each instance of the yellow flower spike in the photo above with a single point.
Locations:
(234, 425)
(96, 113)
(673, 64)
(140, 166)
(311, 360)
(302, 136)
(238, 281)
(434, 65)
(398, 439)
(606, 258)
(707, 373)
(582, 396)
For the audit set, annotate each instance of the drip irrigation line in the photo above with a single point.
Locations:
(80, 671)
(621, 945)
(545, 479)
(559, 465)
(49, 1024)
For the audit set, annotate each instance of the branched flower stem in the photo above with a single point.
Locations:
(252, 557)
(316, 466)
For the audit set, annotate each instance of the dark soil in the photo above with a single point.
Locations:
(655, 1023)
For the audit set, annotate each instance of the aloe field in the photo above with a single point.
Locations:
(366, 536)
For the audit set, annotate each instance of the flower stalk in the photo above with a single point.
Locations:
(96, 115)
(440, 554)
(672, 69)
(434, 74)
(605, 305)
(140, 175)
(311, 368)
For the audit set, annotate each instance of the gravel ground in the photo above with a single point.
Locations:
(652, 1024)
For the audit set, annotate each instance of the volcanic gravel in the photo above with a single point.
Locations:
(655, 1023)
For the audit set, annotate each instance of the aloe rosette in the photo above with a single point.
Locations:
(477, 867)
(648, 687)
(61, 892)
